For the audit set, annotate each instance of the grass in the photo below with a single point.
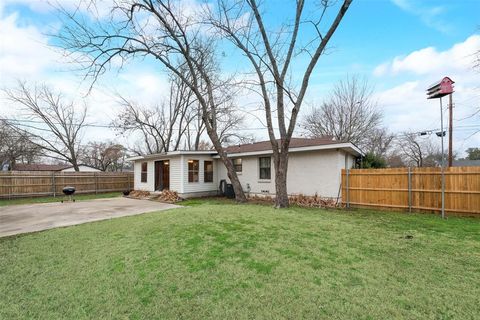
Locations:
(214, 259)
(79, 197)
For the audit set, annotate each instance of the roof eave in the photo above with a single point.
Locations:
(346, 146)
(172, 154)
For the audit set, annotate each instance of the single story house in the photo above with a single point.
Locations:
(52, 167)
(314, 168)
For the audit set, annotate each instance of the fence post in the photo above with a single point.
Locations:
(347, 186)
(54, 187)
(409, 189)
(96, 182)
(128, 179)
(10, 185)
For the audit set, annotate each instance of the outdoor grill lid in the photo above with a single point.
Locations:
(68, 190)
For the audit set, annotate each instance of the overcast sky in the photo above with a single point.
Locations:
(401, 46)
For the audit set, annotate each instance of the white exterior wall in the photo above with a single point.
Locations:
(178, 175)
(200, 186)
(175, 176)
(308, 173)
(137, 174)
(250, 175)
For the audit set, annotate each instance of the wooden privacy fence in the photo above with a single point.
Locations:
(418, 189)
(34, 183)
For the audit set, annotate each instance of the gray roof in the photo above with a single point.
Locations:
(466, 163)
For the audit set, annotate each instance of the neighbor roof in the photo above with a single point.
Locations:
(39, 167)
(466, 163)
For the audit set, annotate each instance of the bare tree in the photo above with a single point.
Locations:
(272, 52)
(177, 39)
(53, 124)
(16, 147)
(379, 142)
(417, 151)
(177, 122)
(105, 156)
(168, 33)
(164, 126)
(349, 115)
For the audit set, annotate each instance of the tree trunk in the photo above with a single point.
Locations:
(281, 194)
(232, 175)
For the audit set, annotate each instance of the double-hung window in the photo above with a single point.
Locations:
(265, 168)
(144, 173)
(237, 164)
(208, 171)
(193, 167)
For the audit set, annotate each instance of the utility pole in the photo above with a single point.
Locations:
(450, 131)
(437, 91)
(443, 161)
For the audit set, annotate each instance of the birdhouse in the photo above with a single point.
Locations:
(440, 88)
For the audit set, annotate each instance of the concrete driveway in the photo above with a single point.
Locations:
(18, 219)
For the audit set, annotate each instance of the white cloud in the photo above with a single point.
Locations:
(24, 51)
(429, 15)
(458, 58)
(99, 9)
(405, 104)
(25, 54)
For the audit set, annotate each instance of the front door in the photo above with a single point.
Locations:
(162, 175)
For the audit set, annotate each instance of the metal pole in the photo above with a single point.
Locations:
(347, 185)
(443, 160)
(409, 189)
(450, 131)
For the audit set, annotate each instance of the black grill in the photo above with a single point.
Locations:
(68, 192)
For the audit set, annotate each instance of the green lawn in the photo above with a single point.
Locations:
(79, 197)
(227, 261)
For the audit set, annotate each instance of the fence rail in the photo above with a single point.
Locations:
(417, 189)
(33, 183)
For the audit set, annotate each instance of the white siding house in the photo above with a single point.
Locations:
(314, 168)
(178, 172)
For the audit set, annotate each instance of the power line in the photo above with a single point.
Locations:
(93, 125)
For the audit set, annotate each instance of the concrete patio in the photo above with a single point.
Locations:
(17, 219)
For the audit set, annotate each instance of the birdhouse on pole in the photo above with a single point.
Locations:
(441, 88)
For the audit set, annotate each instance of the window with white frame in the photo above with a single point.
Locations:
(208, 171)
(193, 168)
(237, 164)
(144, 172)
(265, 168)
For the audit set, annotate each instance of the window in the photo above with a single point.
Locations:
(237, 164)
(193, 166)
(208, 171)
(144, 172)
(264, 165)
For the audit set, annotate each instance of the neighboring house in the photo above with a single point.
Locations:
(52, 167)
(82, 168)
(466, 163)
(314, 168)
